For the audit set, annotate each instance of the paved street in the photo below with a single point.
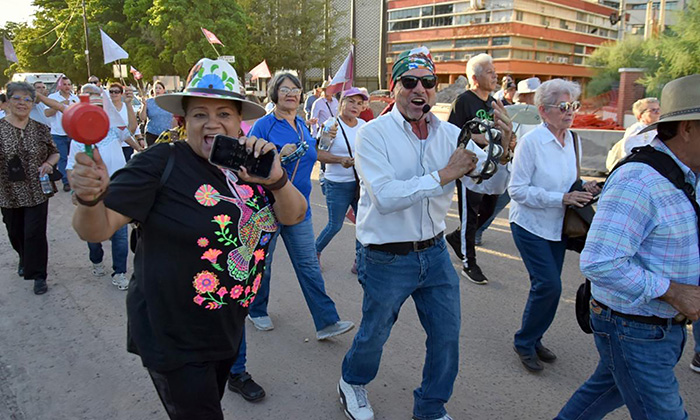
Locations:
(63, 356)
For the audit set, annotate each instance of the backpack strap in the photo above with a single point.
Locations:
(168, 165)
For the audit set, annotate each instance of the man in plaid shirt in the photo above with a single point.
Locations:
(643, 261)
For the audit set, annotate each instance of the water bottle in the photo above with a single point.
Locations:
(46, 186)
(326, 141)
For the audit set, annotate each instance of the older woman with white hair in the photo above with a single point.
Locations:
(544, 168)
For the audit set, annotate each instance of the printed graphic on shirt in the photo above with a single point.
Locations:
(246, 259)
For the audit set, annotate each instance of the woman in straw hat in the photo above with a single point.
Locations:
(205, 233)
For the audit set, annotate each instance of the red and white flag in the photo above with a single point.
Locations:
(137, 74)
(211, 37)
(344, 77)
(260, 71)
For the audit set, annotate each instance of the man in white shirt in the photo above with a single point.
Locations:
(322, 109)
(407, 161)
(64, 94)
(647, 111)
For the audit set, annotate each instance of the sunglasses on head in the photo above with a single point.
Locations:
(410, 82)
(565, 106)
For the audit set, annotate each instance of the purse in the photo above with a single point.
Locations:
(15, 170)
(577, 220)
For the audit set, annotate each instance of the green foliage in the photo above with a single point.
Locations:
(632, 52)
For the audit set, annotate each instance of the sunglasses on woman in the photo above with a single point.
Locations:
(284, 90)
(565, 106)
(410, 82)
(115, 92)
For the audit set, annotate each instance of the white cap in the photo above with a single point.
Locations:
(529, 85)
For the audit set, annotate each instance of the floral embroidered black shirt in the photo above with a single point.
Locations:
(200, 259)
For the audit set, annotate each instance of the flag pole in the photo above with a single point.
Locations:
(217, 52)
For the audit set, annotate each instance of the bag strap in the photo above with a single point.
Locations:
(168, 165)
(666, 166)
(329, 108)
(578, 164)
(347, 144)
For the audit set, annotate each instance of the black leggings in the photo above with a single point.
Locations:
(26, 227)
(194, 391)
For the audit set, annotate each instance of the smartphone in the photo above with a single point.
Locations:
(227, 152)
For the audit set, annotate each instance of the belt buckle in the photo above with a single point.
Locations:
(416, 246)
(680, 318)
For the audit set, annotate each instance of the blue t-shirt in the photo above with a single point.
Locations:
(159, 120)
(281, 133)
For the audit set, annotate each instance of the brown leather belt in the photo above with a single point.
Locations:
(679, 319)
(403, 248)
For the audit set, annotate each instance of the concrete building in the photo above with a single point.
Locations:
(526, 38)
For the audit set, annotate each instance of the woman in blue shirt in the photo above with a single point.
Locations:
(288, 132)
(159, 120)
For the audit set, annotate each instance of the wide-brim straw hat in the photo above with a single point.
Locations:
(680, 101)
(214, 79)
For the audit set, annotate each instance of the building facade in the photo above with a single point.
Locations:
(526, 38)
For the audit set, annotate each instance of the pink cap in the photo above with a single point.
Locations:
(353, 91)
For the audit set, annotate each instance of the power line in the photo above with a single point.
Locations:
(59, 38)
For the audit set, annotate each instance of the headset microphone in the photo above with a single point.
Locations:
(426, 109)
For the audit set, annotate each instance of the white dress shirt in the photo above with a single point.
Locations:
(542, 172)
(401, 199)
(335, 172)
(38, 115)
(56, 120)
(110, 151)
(634, 139)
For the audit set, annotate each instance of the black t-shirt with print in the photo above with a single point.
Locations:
(467, 106)
(200, 258)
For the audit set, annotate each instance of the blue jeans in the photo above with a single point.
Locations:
(63, 145)
(120, 250)
(239, 365)
(501, 203)
(339, 196)
(696, 335)
(299, 241)
(544, 260)
(635, 369)
(388, 281)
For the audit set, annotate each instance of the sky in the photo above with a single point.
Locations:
(16, 11)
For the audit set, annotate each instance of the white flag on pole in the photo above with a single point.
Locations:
(112, 51)
(9, 50)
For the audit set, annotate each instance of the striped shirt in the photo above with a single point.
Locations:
(644, 236)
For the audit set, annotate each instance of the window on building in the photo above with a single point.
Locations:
(402, 47)
(561, 47)
(503, 16)
(578, 49)
(637, 29)
(472, 18)
(427, 11)
(438, 45)
(522, 55)
(542, 44)
(500, 40)
(544, 21)
(581, 16)
(444, 9)
(518, 15)
(563, 24)
(496, 54)
(524, 42)
(405, 14)
(580, 27)
(443, 56)
(405, 24)
(578, 60)
(443, 21)
(426, 23)
(471, 42)
(603, 32)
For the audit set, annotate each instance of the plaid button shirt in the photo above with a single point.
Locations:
(644, 236)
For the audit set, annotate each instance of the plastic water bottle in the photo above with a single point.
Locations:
(46, 186)
(326, 141)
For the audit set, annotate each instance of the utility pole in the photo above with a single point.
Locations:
(623, 21)
(382, 46)
(662, 16)
(87, 46)
(353, 36)
(649, 20)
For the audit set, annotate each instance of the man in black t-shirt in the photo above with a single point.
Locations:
(474, 208)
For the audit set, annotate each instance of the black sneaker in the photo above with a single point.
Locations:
(455, 242)
(20, 270)
(474, 274)
(40, 286)
(695, 364)
(243, 383)
(66, 187)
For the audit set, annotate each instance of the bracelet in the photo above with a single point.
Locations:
(92, 203)
(277, 185)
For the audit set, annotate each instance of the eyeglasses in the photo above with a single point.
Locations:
(18, 98)
(410, 82)
(93, 82)
(653, 110)
(284, 90)
(115, 92)
(565, 106)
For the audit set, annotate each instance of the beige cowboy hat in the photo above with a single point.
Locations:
(680, 101)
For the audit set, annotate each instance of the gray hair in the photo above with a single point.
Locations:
(475, 66)
(641, 105)
(277, 81)
(14, 87)
(549, 91)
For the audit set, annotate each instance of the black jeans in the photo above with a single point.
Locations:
(26, 227)
(194, 391)
(479, 208)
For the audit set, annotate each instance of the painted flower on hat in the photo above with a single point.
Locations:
(211, 81)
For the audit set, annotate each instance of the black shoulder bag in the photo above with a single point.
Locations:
(665, 166)
(354, 171)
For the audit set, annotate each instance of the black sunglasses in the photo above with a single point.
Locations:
(409, 82)
(114, 91)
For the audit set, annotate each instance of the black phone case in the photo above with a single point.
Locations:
(227, 152)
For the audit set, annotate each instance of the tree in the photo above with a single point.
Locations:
(632, 52)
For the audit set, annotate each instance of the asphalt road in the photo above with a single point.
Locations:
(63, 356)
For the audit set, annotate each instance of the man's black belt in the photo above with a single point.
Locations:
(403, 248)
(679, 319)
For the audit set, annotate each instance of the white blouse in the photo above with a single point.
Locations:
(542, 172)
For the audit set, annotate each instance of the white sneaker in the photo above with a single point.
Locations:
(262, 323)
(445, 417)
(340, 327)
(120, 281)
(354, 400)
(98, 270)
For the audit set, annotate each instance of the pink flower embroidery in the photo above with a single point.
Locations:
(256, 283)
(211, 255)
(245, 191)
(247, 290)
(205, 282)
(252, 299)
(222, 292)
(207, 196)
(236, 291)
(245, 304)
(213, 305)
(259, 255)
(198, 300)
(223, 220)
(202, 242)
